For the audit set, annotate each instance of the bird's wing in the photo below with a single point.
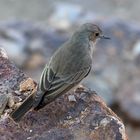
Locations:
(55, 84)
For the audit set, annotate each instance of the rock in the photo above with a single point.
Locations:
(71, 98)
(17, 92)
(11, 81)
(11, 102)
(27, 85)
(86, 119)
(10, 75)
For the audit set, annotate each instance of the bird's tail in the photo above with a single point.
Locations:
(22, 109)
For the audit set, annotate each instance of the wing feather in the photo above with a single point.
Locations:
(52, 85)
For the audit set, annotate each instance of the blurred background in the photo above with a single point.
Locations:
(31, 30)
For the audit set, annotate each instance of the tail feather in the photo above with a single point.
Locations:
(22, 109)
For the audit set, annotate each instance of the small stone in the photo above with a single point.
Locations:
(11, 102)
(71, 98)
(30, 130)
(79, 88)
(17, 92)
(27, 85)
(104, 122)
(69, 117)
(77, 120)
(26, 94)
(29, 138)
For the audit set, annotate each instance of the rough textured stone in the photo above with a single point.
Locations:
(10, 75)
(88, 118)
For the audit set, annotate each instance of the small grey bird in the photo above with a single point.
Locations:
(70, 64)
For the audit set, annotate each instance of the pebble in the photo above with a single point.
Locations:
(27, 85)
(26, 94)
(71, 98)
(17, 92)
(11, 102)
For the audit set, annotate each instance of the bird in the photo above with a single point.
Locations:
(67, 67)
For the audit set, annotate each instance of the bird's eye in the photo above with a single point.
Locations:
(96, 34)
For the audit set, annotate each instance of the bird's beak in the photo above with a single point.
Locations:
(104, 37)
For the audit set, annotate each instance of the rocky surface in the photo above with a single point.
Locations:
(77, 115)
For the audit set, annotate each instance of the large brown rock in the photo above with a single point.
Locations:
(79, 115)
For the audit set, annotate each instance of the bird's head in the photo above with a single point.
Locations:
(92, 32)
